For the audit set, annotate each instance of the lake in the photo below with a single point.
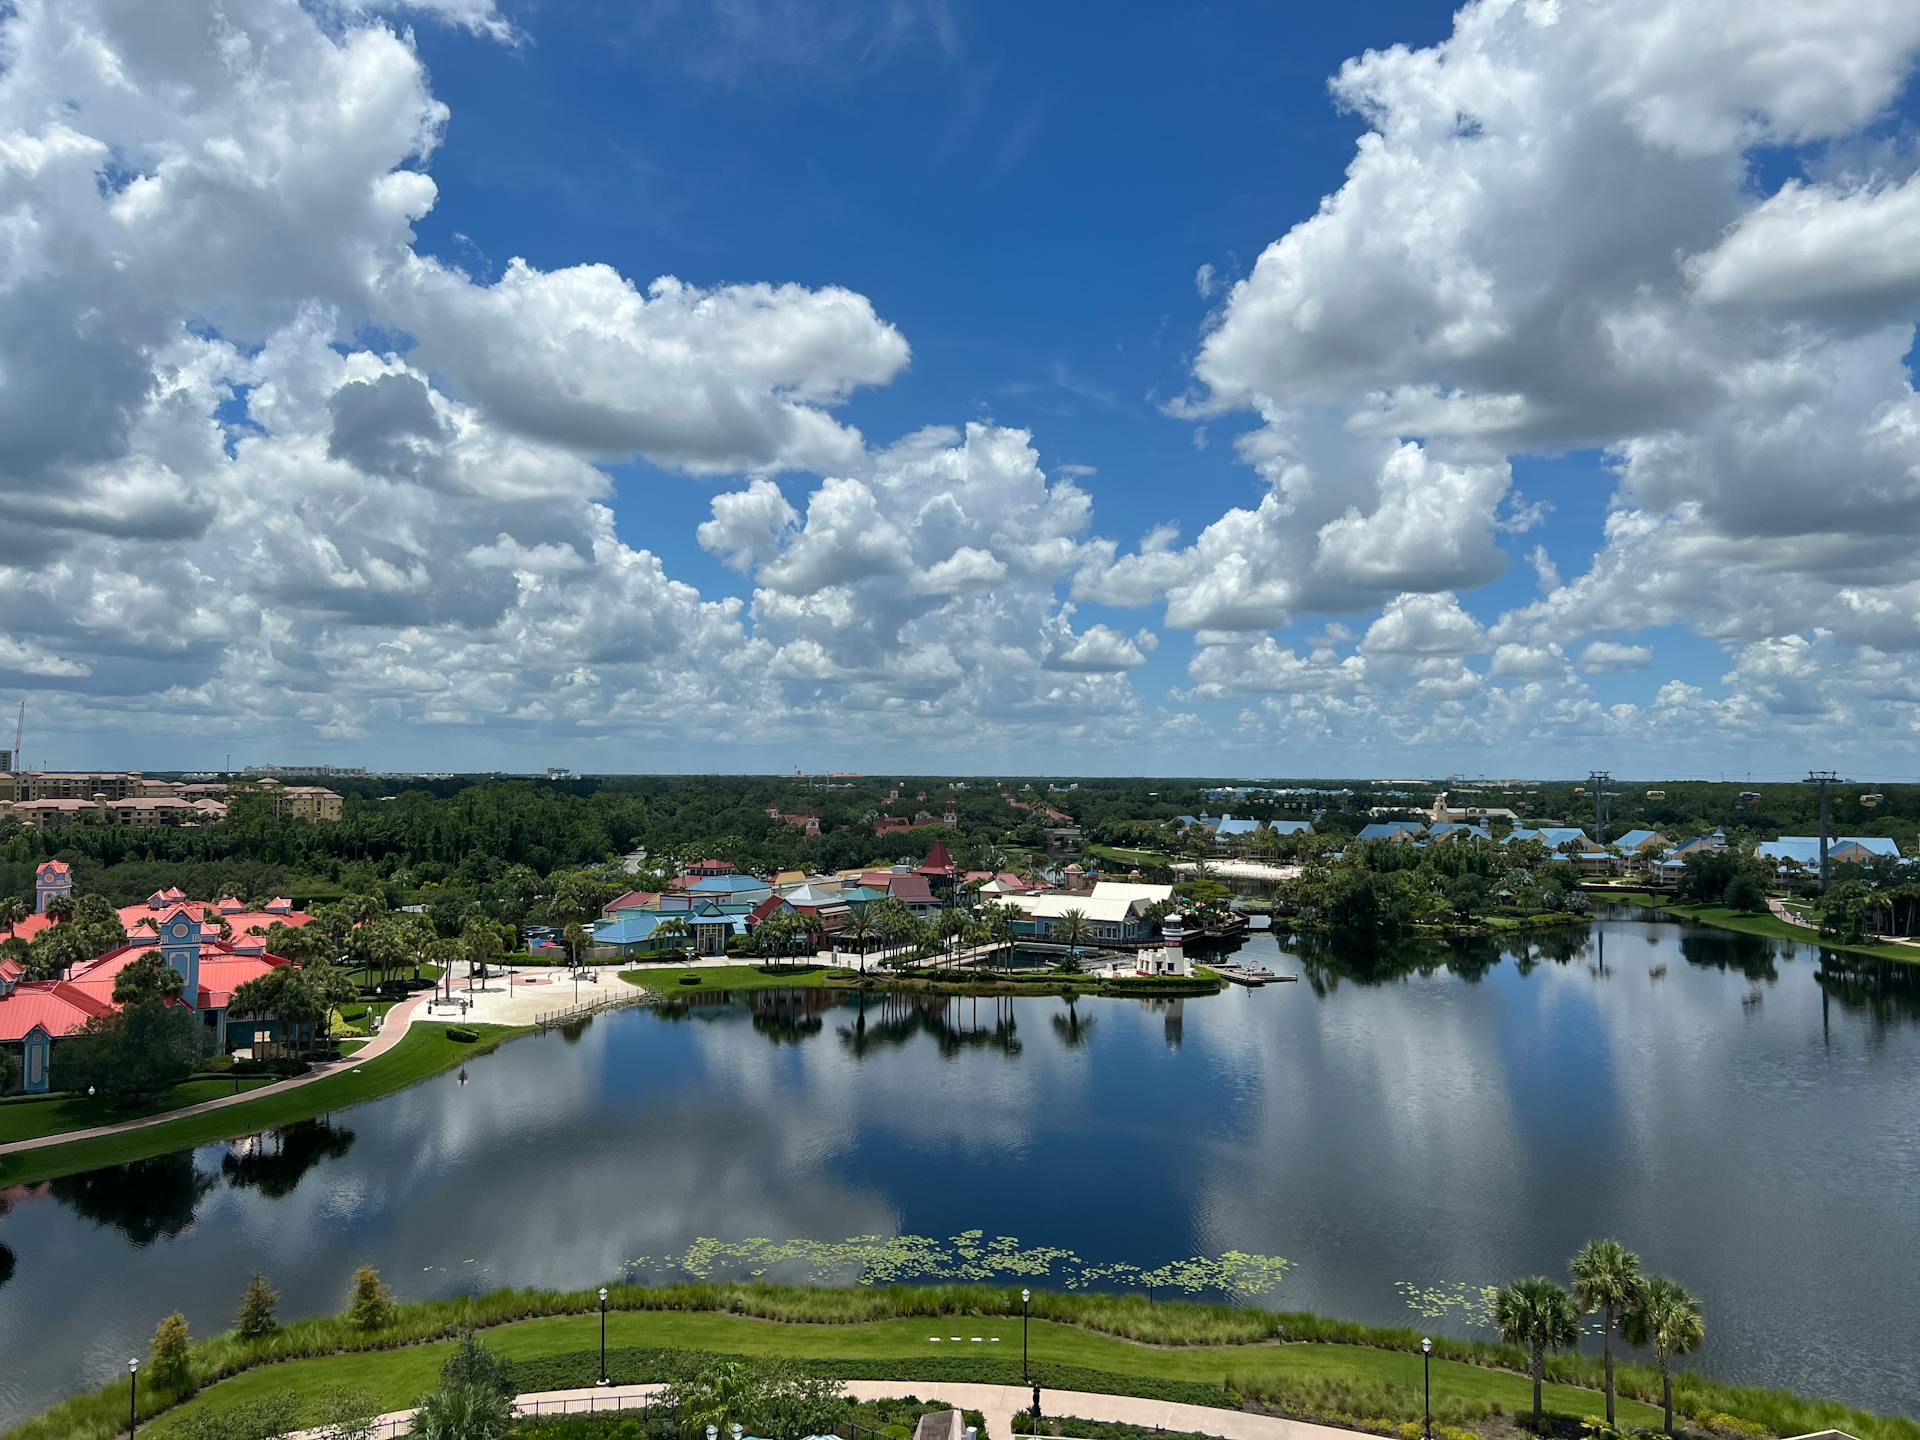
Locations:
(1434, 1116)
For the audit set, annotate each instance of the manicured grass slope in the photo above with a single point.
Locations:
(424, 1051)
(1748, 922)
(30, 1119)
(398, 1377)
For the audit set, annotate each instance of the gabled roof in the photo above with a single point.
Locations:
(1806, 848)
(629, 927)
(52, 867)
(632, 900)
(54, 1006)
(1456, 830)
(938, 861)
(1390, 830)
(910, 887)
(1552, 836)
(1635, 839)
(1227, 825)
(766, 907)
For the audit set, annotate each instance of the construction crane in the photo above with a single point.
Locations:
(19, 734)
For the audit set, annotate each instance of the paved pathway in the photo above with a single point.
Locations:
(392, 1029)
(996, 1402)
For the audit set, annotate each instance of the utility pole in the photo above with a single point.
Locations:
(1823, 778)
(1599, 780)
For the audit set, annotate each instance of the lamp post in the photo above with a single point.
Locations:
(133, 1396)
(1426, 1364)
(603, 1335)
(1025, 1296)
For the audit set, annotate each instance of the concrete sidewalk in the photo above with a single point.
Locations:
(998, 1403)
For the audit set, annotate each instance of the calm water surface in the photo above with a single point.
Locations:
(1748, 1122)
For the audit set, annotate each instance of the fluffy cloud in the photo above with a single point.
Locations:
(1605, 655)
(1551, 239)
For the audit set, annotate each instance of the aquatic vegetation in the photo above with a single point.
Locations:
(967, 1257)
(1462, 1306)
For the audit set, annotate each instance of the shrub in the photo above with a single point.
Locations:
(169, 1356)
(217, 1064)
(263, 1419)
(369, 1303)
(461, 1035)
(257, 1304)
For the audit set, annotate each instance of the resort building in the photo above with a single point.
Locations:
(304, 802)
(1114, 920)
(214, 949)
(1398, 832)
(1793, 854)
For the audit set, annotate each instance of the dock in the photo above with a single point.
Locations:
(1252, 979)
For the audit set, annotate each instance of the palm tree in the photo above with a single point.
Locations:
(60, 909)
(859, 929)
(1072, 928)
(12, 912)
(1001, 924)
(576, 937)
(1667, 1319)
(672, 928)
(1606, 1278)
(480, 940)
(1539, 1316)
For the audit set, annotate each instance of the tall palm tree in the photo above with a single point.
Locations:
(1606, 1278)
(1073, 929)
(576, 937)
(1540, 1317)
(60, 909)
(1665, 1318)
(12, 912)
(860, 930)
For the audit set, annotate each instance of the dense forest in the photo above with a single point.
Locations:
(507, 844)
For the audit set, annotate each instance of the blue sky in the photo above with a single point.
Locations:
(1519, 400)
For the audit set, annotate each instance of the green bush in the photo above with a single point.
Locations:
(461, 1035)
(216, 1064)
(1025, 1424)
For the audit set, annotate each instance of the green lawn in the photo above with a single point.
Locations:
(396, 1378)
(424, 1051)
(1122, 856)
(665, 979)
(1765, 923)
(30, 1119)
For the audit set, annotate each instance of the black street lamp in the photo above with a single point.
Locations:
(1426, 1362)
(133, 1396)
(1025, 1296)
(603, 1335)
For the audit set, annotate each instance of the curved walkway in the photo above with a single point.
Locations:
(392, 1030)
(996, 1402)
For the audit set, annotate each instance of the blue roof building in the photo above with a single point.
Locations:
(1392, 830)
(1805, 849)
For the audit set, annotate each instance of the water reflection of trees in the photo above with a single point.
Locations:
(146, 1200)
(1754, 956)
(955, 1023)
(1886, 992)
(274, 1163)
(1072, 1028)
(787, 1017)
